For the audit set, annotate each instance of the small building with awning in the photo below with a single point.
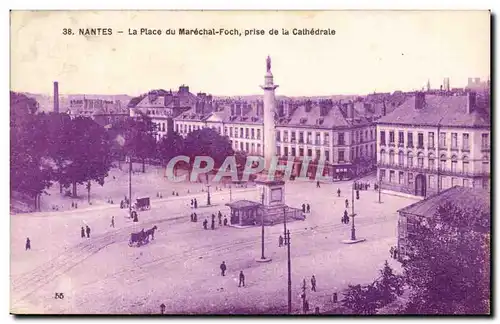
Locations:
(245, 212)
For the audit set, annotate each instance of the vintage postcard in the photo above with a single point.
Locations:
(250, 162)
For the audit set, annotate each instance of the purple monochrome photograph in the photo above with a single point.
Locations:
(304, 163)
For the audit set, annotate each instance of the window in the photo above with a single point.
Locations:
(420, 140)
(465, 142)
(401, 178)
(327, 139)
(431, 139)
(485, 141)
(177, 128)
(278, 150)
(241, 146)
(442, 163)
(292, 137)
(361, 151)
(420, 160)
(230, 132)
(341, 156)
(225, 131)
(318, 154)
(371, 134)
(392, 175)
(219, 130)
(466, 183)
(361, 136)
(401, 139)
(318, 138)
(309, 152)
(246, 132)
(285, 150)
(252, 132)
(382, 137)
(190, 128)
(410, 159)
(258, 134)
(410, 139)
(442, 139)
(357, 151)
(486, 165)
(301, 137)
(382, 157)
(294, 151)
(247, 146)
(382, 175)
(432, 182)
(341, 140)
(401, 158)
(465, 164)
(391, 137)
(432, 162)
(163, 127)
(454, 143)
(278, 137)
(309, 138)
(241, 132)
(236, 132)
(453, 163)
(327, 155)
(454, 182)
(410, 178)
(301, 151)
(485, 184)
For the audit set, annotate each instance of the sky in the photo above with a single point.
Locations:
(371, 51)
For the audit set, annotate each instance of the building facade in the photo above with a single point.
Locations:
(104, 112)
(434, 142)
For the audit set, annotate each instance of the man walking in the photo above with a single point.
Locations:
(195, 203)
(225, 221)
(338, 192)
(313, 283)
(303, 208)
(223, 268)
(346, 203)
(220, 218)
(308, 208)
(280, 241)
(112, 222)
(88, 231)
(242, 279)
(213, 224)
(317, 184)
(83, 232)
(28, 244)
(205, 224)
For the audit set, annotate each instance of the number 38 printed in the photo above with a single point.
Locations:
(59, 296)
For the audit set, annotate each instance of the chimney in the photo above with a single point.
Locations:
(419, 100)
(350, 110)
(232, 110)
(56, 97)
(471, 102)
(308, 106)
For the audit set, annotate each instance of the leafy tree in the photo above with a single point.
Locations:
(170, 146)
(207, 142)
(361, 300)
(139, 141)
(389, 285)
(448, 265)
(89, 153)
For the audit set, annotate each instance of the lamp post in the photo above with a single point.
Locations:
(379, 188)
(208, 195)
(129, 186)
(353, 229)
(230, 193)
(286, 235)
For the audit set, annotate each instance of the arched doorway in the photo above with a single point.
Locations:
(420, 185)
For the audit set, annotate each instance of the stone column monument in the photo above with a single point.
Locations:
(269, 112)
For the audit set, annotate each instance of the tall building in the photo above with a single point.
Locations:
(434, 142)
(56, 97)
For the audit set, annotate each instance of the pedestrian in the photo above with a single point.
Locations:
(347, 220)
(308, 208)
(220, 218)
(83, 232)
(88, 231)
(195, 217)
(192, 203)
(195, 203)
(223, 268)
(192, 217)
(342, 220)
(317, 184)
(76, 205)
(162, 308)
(213, 217)
(225, 221)
(391, 251)
(72, 204)
(303, 208)
(280, 241)
(28, 244)
(396, 253)
(242, 279)
(205, 224)
(357, 194)
(112, 222)
(213, 224)
(173, 193)
(313, 283)
(316, 311)
(338, 192)
(177, 194)
(346, 203)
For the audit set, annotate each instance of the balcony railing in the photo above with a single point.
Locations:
(441, 171)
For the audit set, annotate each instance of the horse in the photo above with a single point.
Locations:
(151, 232)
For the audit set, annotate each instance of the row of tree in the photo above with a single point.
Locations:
(446, 271)
(51, 147)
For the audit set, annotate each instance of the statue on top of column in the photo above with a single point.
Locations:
(268, 63)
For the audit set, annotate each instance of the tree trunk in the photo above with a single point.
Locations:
(88, 192)
(60, 188)
(119, 163)
(36, 202)
(143, 165)
(74, 189)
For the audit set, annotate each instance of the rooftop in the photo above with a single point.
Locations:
(443, 110)
(243, 204)
(462, 197)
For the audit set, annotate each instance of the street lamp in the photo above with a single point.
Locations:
(379, 188)
(230, 193)
(287, 244)
(129, 160)
(353, 229)
(262, 257)
(208, 195)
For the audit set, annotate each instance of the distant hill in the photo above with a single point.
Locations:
(47, 102)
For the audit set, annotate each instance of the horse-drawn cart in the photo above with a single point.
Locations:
(142, 203)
